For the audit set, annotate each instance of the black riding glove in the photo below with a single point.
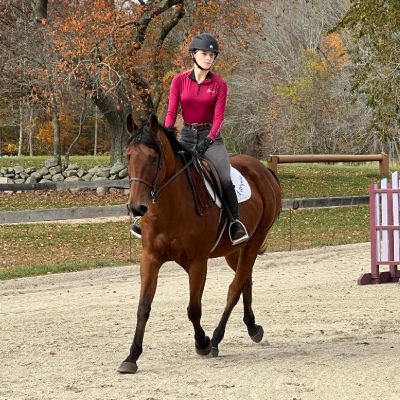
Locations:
(203, 146)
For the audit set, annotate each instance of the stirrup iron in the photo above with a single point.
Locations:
(242, 239)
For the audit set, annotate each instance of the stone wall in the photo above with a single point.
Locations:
(51, 172)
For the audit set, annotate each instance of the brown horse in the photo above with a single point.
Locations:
(173, 230)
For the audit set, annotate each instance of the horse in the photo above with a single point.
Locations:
(173, 229)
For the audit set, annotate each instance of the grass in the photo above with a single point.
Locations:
(58, 199)
(304, 229)
(323, 180)
(86, 162)
(48, 248)
(43, 248)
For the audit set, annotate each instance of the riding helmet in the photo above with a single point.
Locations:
(204, 41)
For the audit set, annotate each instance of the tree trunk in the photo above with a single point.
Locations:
(30, 131)
(82, 118)
(115, 117)
(56, 129)
(40, 10)
(118, 137)
(21, 128)
(96, 129)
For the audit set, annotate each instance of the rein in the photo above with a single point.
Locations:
(155, 193)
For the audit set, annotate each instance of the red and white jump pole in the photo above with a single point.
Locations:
(384, 214)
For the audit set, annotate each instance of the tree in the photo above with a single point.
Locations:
(374, 26)
(108, 62)
(290, 92)
(123, 53)
(26, 61)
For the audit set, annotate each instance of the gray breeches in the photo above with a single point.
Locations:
(216, 153)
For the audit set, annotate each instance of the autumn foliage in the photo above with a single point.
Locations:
(296, 84)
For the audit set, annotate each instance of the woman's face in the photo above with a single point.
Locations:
(205, 58)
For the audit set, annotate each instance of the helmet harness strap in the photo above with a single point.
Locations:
(195, 61)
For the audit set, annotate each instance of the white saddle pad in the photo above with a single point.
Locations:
(242, 187)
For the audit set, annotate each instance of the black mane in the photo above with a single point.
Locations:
(171, 134)
(143, 135)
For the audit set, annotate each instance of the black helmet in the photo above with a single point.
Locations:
(204, 41)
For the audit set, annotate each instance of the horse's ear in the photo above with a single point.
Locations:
(130, 124)
(153, 121)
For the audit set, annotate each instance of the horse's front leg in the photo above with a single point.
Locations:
(149, 269)
(197, 278)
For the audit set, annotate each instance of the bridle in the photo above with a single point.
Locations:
(154, 192)
(152, 185)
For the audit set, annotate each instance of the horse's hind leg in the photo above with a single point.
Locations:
(197, 279)
(255, 331)
(244, 267)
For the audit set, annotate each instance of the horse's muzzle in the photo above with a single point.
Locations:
(138, 211)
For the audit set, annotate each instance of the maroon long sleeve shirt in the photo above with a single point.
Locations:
(201, 103)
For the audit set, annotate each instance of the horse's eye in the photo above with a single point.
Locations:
(153, 160)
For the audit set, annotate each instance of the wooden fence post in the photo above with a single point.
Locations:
(384, 165)
(272, 163)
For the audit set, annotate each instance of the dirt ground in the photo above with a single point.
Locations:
(63, 336)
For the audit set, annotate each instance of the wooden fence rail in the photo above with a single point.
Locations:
(274, 159)
(59, 214)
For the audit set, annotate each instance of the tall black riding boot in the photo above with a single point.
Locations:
(135, 228)
(237, 231)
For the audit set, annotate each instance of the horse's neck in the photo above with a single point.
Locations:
(171, 159)
(176, 174)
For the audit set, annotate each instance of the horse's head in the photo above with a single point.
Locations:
(144, 155)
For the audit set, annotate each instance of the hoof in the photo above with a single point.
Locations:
(214, 351)
(257, 337)
(127, 368)
(206, 350)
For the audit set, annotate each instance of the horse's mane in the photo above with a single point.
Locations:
(143, 135)
(171, 134)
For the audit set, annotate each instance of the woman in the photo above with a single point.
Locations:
(202, 97)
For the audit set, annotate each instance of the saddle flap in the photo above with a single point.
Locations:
(211, 175)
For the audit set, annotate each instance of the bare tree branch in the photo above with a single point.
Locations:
(150, 11)
(178, 14)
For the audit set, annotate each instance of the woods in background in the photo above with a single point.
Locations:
(305, 76)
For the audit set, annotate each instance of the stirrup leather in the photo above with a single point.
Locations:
(135, 228)
(242, 239)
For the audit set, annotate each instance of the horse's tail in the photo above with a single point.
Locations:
(274, 175)
(263, 247)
